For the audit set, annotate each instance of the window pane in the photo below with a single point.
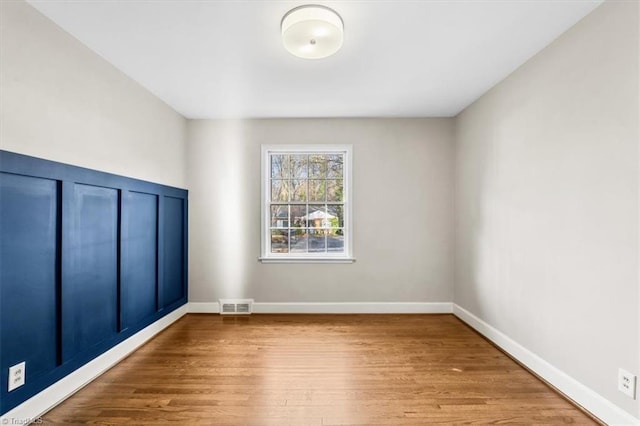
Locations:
(306, 203)
(335, 213)
(317, 190)
(280, 241)
(279, 216)
(317, 166)
(280, 190)
(280, 166)
(317, 241)
(299, 238)
(299, 190)
(299, 216)
(299, 166)
(335, 241)
(317, 215)
(335, 166)
(334, 190)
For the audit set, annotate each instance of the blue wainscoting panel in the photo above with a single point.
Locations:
(28, 274)
(139, 257)
(87, 259)
(90, 271)
(174, 264)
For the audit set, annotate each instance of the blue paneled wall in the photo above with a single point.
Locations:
(87, 259)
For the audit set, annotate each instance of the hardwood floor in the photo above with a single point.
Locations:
(317, 370)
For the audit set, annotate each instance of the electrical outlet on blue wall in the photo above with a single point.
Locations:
(79, 237)
(16, 376)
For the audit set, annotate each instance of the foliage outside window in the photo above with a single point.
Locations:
(305, 203)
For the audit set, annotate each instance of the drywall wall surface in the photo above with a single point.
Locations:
(547, 203)
(61, 101)
(402, 208)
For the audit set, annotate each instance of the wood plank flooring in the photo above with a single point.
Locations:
(317, 370)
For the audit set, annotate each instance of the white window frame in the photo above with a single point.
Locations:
(266, 255)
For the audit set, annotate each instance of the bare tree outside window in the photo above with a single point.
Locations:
(306, 203)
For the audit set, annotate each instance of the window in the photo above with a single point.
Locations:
(306, 209)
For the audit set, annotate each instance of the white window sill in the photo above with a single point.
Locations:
(307, 259)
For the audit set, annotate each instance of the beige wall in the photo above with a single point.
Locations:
(402, 212)
(62, 102)
(545, 170)
(547, 203)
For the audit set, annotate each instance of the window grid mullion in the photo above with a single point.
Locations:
(287, 176)
(289, 229)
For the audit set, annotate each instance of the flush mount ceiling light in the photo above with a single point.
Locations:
(312, 31)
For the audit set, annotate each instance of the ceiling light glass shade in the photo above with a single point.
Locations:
(312, 32)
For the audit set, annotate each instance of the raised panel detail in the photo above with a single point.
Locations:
(89, 303)
(173, 220)
(139, 257)
(28, 273)
(87, 259)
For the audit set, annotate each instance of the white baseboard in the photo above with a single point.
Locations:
(600, 407)
(353, 308)
(334, 308)
(204, 308)
(36, 406)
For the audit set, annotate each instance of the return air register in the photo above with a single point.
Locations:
(235, 306)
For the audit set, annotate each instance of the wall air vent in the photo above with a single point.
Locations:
(235, 306)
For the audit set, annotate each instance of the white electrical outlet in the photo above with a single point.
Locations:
(16, 376)
(627, 383)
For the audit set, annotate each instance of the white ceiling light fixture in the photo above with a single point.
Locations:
(312, 31)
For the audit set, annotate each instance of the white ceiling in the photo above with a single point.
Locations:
(218, 59)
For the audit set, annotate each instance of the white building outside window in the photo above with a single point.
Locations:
(306, 203)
